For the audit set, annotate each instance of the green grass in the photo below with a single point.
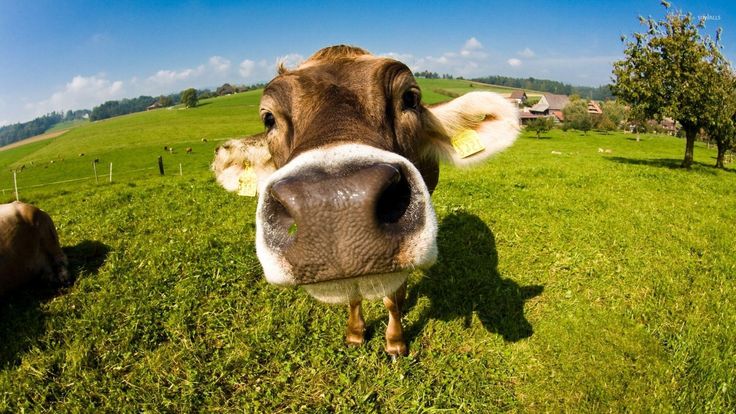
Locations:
(579, 282)
(67, 125)
(454, 87)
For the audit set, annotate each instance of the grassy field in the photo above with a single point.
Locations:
(568, 281)
(454, 87)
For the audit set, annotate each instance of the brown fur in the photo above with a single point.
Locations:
(342, 94)
(29, 247)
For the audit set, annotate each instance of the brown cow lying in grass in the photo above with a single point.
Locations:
(29, 248)
(344, 173)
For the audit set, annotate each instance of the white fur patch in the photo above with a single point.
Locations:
(489, 114)
(420, 251)
(237, 154)
(364, 287)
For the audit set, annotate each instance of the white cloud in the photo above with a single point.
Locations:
(220, 64)
(472, 44)
(514, 62)
(246, 68)
(465, 62)
(171, 76)
(80, 92)
(527, 53)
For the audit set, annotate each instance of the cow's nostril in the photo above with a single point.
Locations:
(279, 212)
(394, 200)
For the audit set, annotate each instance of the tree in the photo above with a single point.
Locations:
(604, 123)
(722, 126)
(541, 125)
(665, 73)
(577, 115)
(616, 112)
(189, 97)
(165, 101)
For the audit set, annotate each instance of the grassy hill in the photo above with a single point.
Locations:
(567, 280)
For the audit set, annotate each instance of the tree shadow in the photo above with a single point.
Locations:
(22, 317)
(671, 163)
(466, 281)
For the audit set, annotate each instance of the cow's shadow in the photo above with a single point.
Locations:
(22, 315)
(465, 281)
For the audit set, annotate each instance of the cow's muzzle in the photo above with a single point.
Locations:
(344, 212)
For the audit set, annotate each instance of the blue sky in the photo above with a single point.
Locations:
(70, 55)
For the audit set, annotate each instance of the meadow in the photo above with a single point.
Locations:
(568, 280)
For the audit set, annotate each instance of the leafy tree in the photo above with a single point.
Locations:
(577, 115)
(541, 125)
(616, 112)
(665, 73)
(722, 126)
(165, 101)
(604, 123)
(189, 97)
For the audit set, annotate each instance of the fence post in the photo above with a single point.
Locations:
(110, 172)
(15, 184)
(160, 165)
(180, 172)
(94, 167)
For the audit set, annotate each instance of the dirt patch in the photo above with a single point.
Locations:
(33, 139)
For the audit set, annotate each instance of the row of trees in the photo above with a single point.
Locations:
(545, 85)
(23, 130)
(433, 75)
(127, 106)
(673, 70)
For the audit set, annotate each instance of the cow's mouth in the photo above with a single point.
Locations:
(344, 213)
(369, 287)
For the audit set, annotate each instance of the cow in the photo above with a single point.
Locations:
(189, 150)
(29, 248)
(344, 172)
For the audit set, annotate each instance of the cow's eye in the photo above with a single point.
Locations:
(268, 120)
(410, 99)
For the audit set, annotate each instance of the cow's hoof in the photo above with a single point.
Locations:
(355, 339)
(396, 349)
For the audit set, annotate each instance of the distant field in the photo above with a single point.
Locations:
(460, 87)
(37, 138)
(568, 280)
(63, 126)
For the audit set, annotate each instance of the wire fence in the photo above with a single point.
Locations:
(109, 175)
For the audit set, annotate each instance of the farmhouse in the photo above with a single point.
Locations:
(551, 104)
(517, 97)
(154, 105)
(594, 108)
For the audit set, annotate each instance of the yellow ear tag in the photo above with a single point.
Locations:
(248, 182)
(466, 143)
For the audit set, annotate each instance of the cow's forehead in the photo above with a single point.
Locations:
(365, 75)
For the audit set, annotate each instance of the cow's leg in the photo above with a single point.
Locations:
(356, 325)
(395, 344)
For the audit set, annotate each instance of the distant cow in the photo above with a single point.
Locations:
(345, 169)
(29, 247)
(189, 150)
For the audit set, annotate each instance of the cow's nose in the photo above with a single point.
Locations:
(342, 224)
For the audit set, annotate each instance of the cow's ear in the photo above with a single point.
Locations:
(243, 165)
(469, 129)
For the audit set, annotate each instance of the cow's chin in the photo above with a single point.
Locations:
(362, 287)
